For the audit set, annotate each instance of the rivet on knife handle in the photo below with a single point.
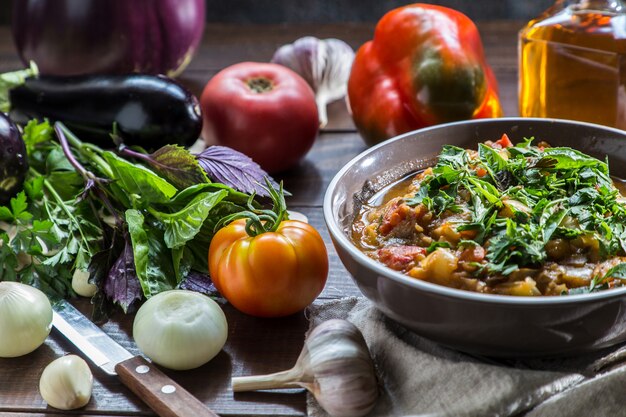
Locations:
(164, 396)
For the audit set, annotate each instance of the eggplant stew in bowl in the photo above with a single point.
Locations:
(493, 248)
(507, 219)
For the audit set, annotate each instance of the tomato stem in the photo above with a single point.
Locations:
(260, 85)
(260, 221)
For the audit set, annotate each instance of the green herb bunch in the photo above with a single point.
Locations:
(547, 193)
(139, 228)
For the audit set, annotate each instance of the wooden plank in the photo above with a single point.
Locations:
(507, 80)
(228, 44)
(224, 45)
(308, 181)
(254, 346)
(48, 414)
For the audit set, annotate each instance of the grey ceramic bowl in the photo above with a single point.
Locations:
(485, 324)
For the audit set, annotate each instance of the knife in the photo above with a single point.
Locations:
(157, 390)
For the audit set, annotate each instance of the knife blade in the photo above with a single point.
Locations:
(157, 390)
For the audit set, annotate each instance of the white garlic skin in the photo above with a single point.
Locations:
(66, 383)
(341, 371)
(334, 365)
(81, 284)
(324, 64)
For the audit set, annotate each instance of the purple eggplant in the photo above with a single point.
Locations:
(13, 161)
(145, 110)
(72, 37)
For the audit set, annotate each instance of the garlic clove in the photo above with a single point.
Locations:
(66, 383)
(81, 284)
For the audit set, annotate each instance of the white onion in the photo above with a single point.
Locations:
(66, 383)
(296, 215)
(180, 329)
(25, 319)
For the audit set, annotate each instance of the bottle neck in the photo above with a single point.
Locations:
(610, 6)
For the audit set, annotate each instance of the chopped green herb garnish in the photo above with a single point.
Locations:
(517, 199)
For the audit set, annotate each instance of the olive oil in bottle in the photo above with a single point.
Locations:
(573, 63)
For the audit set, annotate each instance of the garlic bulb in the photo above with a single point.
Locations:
(25, 319)
(324, 64)
(81, 284)
(66, 383)
(334, 365)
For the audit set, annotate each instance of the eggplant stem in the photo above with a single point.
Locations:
(283, 379)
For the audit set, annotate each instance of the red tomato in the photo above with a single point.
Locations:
(272, 274)
(266, 111)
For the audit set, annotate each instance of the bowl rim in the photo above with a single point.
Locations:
(435, 289)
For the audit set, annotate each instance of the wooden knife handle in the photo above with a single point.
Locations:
(164, 396)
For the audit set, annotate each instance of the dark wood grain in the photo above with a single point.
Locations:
(254, 345)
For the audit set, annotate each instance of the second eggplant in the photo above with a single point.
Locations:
(146, 110)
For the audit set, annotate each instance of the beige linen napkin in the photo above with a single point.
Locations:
(418, 377)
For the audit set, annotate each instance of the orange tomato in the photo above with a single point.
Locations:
(272, 274)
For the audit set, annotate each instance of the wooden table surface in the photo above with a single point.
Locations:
(254, 345)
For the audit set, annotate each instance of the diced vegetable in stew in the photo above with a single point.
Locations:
(506, 219)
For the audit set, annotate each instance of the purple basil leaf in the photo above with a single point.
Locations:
(199, 282)
(174, 163)
(122, 285)
(230, 167)
(178, 166)
(99, 267)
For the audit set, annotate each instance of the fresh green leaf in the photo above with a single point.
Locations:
(184, 225)
(419, 196)
(19, 208)
(57, 161)
(10, 80)
(177, 165)
(36, 133)
(185, 196)
(618, 271)
(568, 159)
(437, 244)
(492, 159)
(34, 188)
(488, 191)
(153, 261)
(452, 156)
(138, 181)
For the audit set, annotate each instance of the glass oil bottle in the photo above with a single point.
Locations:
(573, 63)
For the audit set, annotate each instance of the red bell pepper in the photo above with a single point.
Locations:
(425, 66)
